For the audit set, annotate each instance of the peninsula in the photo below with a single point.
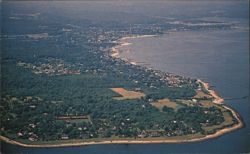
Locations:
(177, 139)
(218, 118)
(65, 85)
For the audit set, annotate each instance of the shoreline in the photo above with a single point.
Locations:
(115, 52)
(218, 133)
(218, 99)
(121, 141)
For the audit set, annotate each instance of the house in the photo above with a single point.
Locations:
(64, 137)
(32, 125)
(154, 134)
(194, 100)
(19, 134)
(137, 89)
(84, 136)
(142, 134)
(33, 137)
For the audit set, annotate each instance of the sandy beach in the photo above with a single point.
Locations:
(217, 98)
(136, 36)
(115, 52)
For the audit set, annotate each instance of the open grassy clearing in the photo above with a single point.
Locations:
(208, 104)
(126, 94)
(166, 102)
(75, 119)
(201, 94)
(187, 102)
(203, 103)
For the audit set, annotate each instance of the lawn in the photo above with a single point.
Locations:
(166, 102)
(126, 94)
(75, 119)
(201, 94)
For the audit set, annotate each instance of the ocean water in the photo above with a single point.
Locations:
(219, 56)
